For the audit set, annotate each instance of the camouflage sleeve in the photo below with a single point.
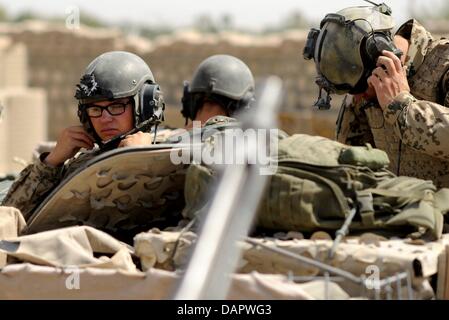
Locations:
(422, 125)
(352, 125)
(164, 135)
(33, 184)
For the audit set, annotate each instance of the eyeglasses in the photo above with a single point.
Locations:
(114, 109)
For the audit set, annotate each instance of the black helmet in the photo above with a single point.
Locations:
(223, 79)
(346, 47)
(119, 74)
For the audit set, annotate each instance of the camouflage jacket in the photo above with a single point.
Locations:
(38, 179)
(414, 128)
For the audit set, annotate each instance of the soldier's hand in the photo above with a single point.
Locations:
(388, 79)
(136, 139)
(69, 142)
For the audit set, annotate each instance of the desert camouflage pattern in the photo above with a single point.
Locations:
(419, 44)
(121, 192)
(155, 284)
(169, 250)
(414, 129)
(107, 270)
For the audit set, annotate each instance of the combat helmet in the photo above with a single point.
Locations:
(119, 74)
(223, 79)
(346, 47)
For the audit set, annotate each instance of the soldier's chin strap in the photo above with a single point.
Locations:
(399, 158)
(323, 102)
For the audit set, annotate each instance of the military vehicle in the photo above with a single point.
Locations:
(115, 230)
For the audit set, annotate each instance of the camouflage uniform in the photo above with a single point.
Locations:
(414, 128)
(38, 179)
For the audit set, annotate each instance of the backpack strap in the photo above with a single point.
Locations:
(366, 208)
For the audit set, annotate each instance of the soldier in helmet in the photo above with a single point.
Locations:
(117, 94)
(221, 86)
(399, 87)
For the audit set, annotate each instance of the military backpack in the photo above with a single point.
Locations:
(319, 181)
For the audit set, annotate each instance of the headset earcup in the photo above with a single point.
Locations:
(246, 101)
(375, 44)
(151, 103)
(145, 108)
(187, 103)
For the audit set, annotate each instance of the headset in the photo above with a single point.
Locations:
(191, 101)
(148, 109)
(150, 105)
(371, 49)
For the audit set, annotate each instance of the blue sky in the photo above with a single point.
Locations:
(246, 13)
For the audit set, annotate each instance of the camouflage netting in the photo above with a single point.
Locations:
(48, 265)
(358, 255)
(45, 259)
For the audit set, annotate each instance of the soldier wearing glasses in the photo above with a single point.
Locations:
(109, 95)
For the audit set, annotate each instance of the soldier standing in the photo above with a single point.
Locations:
(398, 103)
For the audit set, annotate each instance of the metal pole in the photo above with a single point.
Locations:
(309, 261)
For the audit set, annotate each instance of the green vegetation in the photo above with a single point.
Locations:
(3, 14)
(25, 15)
(212, 24)
(203, 23)
(295, 20)
(425, 12)
(90, 20)
(444, 12)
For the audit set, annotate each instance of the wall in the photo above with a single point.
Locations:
(23, 120)
(57, 57)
